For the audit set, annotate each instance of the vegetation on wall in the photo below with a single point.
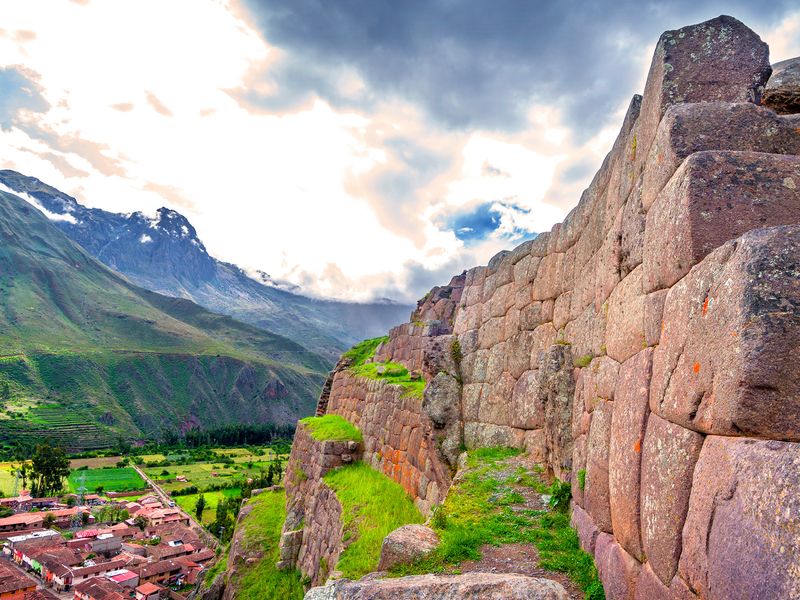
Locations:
(331, 428)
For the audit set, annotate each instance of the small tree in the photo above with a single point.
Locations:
(84, 518)
(49, 469)
(48, 521)
(199, 507)
(140, 522)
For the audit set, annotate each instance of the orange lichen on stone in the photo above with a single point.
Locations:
(696, 367)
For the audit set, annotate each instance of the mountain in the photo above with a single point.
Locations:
(164, 254)
(86, 356)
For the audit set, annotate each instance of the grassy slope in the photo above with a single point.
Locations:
(372, 506)
(83, 350)
(262, 531)
(391, 372)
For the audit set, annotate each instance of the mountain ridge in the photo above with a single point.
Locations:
(165, 255)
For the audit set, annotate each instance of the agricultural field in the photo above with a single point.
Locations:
(7, 478)
(94, 463)
(112, 480)
(187, 503)
(203, 475)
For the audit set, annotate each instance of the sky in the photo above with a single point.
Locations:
(359, 149)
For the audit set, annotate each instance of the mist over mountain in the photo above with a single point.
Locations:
(163, 253)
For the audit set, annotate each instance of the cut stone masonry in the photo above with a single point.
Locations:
(646, 349)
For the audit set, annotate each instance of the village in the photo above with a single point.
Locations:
(54, 550)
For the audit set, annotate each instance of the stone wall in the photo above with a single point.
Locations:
(312, 534)
(645, 349)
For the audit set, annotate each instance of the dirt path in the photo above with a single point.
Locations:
(167, 500)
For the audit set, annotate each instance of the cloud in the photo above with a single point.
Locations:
(18, 92)
(69, 218)
(157, 105)
(123, 106)
(471, 64)
(173, 194)
(59, 162)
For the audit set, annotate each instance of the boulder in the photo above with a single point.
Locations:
(406, 544)
(729, 354)
(477, 586)
(742, 534)
(782, 93)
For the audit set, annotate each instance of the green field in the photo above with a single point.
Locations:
(200, 474)
(187, 503)
(112, 480)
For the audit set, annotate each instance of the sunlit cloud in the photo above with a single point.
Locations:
(365, 162)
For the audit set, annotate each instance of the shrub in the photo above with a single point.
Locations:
(560, 495)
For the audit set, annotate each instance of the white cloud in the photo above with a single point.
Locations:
(321, 198)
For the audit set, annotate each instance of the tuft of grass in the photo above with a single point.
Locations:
(372, 506)
(582, 479)
(393, 373)
(262, 531)
(480, 509)
(332, 428)
(455, 352)
(583, 361)
(359, 353)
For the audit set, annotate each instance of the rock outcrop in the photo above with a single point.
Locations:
(646, 349)
(406, 544)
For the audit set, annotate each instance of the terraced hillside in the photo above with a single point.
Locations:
(86, 356)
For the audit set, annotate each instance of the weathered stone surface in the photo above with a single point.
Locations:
(631, 408)
(720, 60)
(442, 403)
(668, 458)
(649, 587)
(618, 570)
(742, 534)
(599, 380)
(596, 494)
(782, 93)
(690, 128)
(479, 586)
(587, 531)
(712, 198)
(527, 411)
(730, 349)
(625, 329)
(653, 315)
(556, 393)
(406, 544)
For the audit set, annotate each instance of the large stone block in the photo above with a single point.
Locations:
(596, 494)
(584, 526)
(527, 412)
(631, 408)
(690, 128)
(782, 93)
(618, 570)
(625, 328)
(730, 349)
(742, 534)
(649, 587)
(712, 198)
(668, 458)
(720, 60)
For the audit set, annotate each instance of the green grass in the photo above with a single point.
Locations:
(372, 506)
(364, 350)
(393, 372)
(332, 428)
(188, 502)
(480, 509)
(262, 532)
(112, 480)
